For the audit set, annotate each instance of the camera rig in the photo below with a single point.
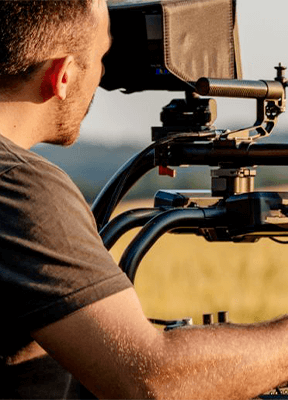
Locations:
(232, 210)
(151, 50)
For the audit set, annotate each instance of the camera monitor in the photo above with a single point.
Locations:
(169, 44)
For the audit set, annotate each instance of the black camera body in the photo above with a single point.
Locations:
(168, 45)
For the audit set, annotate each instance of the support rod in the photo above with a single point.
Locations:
(156, 227)
(124, 222)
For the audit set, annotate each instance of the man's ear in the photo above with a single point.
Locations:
(57, 78)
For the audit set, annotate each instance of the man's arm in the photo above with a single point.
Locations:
(116, 353)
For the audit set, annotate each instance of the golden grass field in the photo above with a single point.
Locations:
(184, 275)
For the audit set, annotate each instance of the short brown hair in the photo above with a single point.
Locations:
(32, 30)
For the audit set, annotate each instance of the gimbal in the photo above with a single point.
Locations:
(232, 210)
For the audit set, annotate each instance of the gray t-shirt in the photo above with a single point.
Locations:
(52, 259)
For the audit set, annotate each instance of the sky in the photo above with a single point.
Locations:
(116, 118)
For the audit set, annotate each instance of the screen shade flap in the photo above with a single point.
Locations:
(199, 39)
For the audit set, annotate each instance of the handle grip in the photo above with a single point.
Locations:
(240, 88)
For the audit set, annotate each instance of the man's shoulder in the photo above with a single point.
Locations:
(15, 157)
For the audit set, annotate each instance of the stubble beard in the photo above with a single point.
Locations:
(69, 116)
(68, 124)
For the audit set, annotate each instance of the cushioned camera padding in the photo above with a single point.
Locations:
(199, 39)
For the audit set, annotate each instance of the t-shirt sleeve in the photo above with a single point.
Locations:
(52, 261)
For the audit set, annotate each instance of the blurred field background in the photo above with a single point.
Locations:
(185, 276)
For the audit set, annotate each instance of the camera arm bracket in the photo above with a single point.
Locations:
(270, 96)
(267, 117)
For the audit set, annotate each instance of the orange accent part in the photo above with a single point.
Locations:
(165, 171)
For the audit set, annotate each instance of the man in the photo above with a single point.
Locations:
(60, 289)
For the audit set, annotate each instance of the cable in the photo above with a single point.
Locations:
(278, 241)
(121, 184)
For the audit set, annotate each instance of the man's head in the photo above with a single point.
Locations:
(57, 45)
(32, 31)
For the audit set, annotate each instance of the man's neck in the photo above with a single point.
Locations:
(20, 122)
